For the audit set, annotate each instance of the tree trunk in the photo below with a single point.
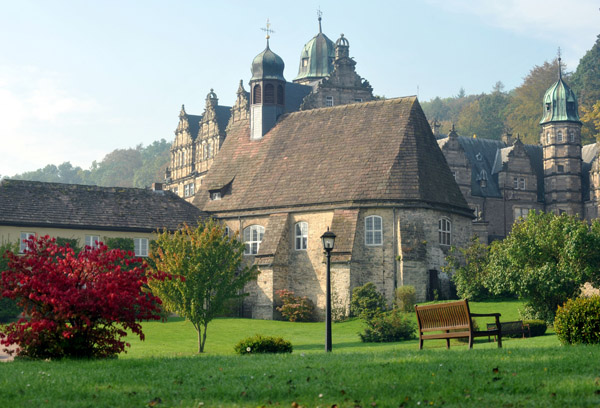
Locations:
(200, 345)
(203, 339)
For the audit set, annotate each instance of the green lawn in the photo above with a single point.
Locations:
(165, 371)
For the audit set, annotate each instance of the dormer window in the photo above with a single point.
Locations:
(215, 195)
(547, 106)
(305, 62)
(479, 157)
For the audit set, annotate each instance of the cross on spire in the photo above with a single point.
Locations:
(319, 14)
(268, 30)
(559, 67)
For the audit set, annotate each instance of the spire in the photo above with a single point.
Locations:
(241, 89)
(319, 14)
(268, 30)
(559, 67)
(182, 112)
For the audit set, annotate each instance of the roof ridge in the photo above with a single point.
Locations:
(358, 105)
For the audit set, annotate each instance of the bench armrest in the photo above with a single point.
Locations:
(486, 314)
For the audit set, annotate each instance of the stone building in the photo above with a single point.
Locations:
(296, 158)
(504, 180)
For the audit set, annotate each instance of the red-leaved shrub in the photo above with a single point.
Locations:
(295, 308)
(76, 305)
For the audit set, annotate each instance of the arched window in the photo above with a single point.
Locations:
(571, 136)
(280, 98)
(256, 97)
(253, 235)
(373, 230)
(269, 93)
(301, 234)
(548, 137)
(445, 231)
(559, 136)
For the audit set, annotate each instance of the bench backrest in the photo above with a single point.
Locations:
(444, 316)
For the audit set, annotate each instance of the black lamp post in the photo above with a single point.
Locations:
(328, 239)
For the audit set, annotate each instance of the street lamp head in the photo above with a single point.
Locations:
(328, 239)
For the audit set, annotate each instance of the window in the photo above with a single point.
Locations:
(253, 235)
(547, 106)
(444, 231)
(561, 168)
(571, 136)
(92, 241)
(269, 93)
(305, 62)
(24, 237)
(329, 101)
(301, 236)
(215, 196)
(210, 150)
(226, 231)
(520, 212)
(476, 211)
(479, 157)
(373, 230)
(559, 136)
(519, 183)
(548, 137)
(186, 190)
(205, 150)
(192, 189)
(256, 94)
(140, 246)
(358, 100)
(454, 174)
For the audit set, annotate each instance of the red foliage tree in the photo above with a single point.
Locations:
(77, 305)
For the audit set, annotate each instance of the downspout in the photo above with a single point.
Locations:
(395, 253)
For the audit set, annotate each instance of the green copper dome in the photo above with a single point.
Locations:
(316, 59)
(560, 104)
(267, 65)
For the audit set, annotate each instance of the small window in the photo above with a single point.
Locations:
(329, 101)
(520, 213)
(561, 168)
(215, 196)
(522, 183)
(305, 62)
(186, 190)
(454, 175)
(192, 189)
(516, 183)
(24, 237)
(476, 211)
(210, 149)
(548, 137)
(92, 241)
(479, 157)
(140, 246)
(227, 231)
(559, 136)
(253, 236)
(373, 230)
(256, 96)
(445, 231)
(301, 234)
(571, 136)
(269, 93)
(547, 106)
(358, 100)
(205, 150)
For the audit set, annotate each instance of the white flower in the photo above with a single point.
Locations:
(248, 349)
(320, 395)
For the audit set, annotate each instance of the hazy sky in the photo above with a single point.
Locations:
(79, 79)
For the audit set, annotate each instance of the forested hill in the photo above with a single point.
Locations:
(133, 167)
(489, 115)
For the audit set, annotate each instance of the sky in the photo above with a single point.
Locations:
(79, 79)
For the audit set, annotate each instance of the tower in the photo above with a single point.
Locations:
(561, 143)
(267, 91)
(316, 59)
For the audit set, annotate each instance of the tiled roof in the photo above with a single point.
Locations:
(32, 203)
(194, 123)
(223, 114)
(366, 152)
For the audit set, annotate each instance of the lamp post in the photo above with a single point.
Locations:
(328, 239)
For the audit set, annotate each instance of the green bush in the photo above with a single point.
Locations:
(366, 301)
(536, 327)
(73, 243)
(466, 339)
(295, 308)
(263, 344)
(578, 321)
(406, 298)
(389, 327)
(8, 307)
(125, 244)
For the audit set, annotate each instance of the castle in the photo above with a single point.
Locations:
(290, 159)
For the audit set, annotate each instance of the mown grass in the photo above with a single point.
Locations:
(164, 371)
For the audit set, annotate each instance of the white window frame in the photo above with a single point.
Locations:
(192, 188)
(301, 235)
(24, 236)
(186, 190)
(215, 196)
(445, 231)
(373, 230)
(140, 247)
(522, 183)
(559, 136)
(520, 212)
(329, 101)
(253, 236)
(92, 241)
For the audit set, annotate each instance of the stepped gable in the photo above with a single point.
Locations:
(74, 206)
(363, 153)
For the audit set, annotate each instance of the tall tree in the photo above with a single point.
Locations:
(525, 108)
(207, 265)
(586, 85)
(485, 116)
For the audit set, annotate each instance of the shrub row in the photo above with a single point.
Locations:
(263, 344)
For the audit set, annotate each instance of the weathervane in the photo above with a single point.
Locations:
(268, 31)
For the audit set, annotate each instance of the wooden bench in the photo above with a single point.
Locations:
(508, 328)
(453, 320)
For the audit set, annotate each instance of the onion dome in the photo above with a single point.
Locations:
(316, 59)
(267, 65)
(560, 102)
